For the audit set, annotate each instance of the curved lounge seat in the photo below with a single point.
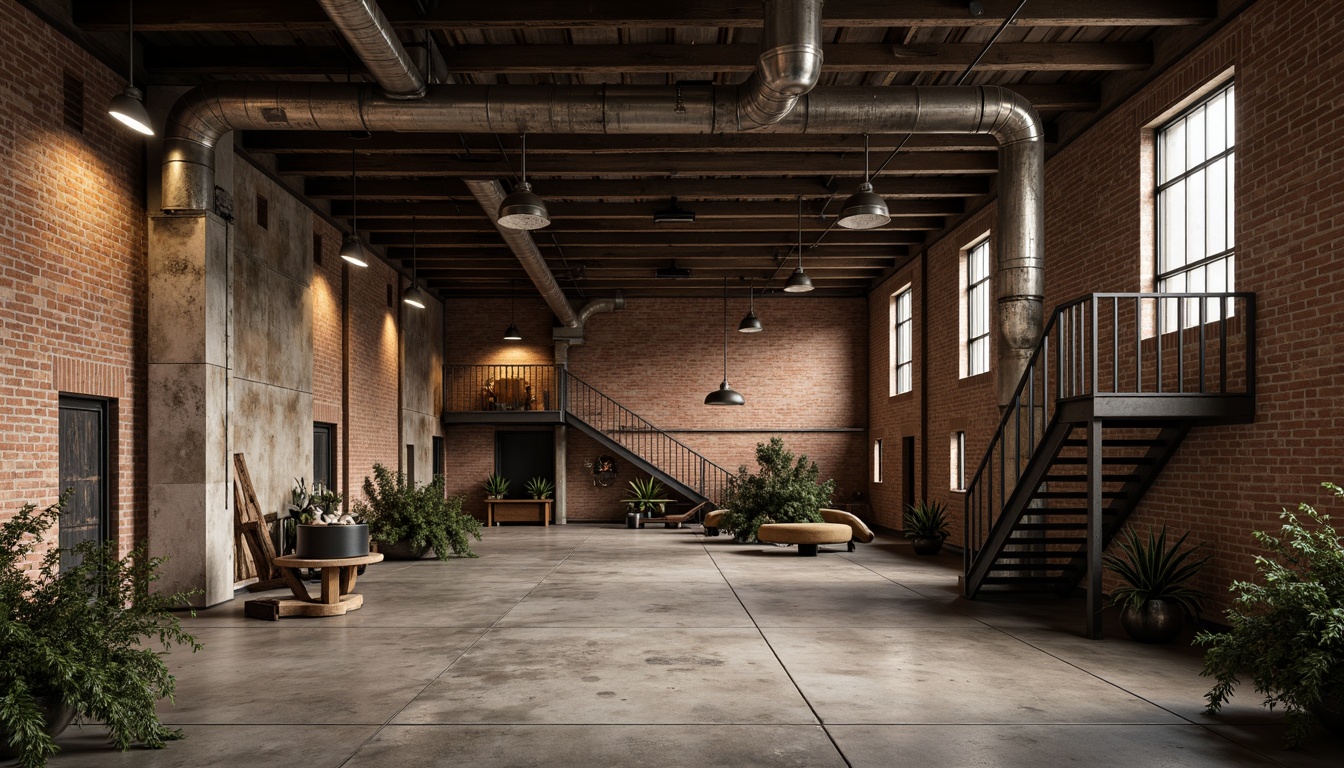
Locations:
(806, 535)
(712, 522)
(862, 533)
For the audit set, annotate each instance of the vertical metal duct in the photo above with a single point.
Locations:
(376, 44)
(789, 64)
(489, 193)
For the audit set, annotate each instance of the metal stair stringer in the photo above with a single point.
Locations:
(634, 458)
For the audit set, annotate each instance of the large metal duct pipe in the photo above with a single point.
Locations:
(489, 193)
(376, 44)
(789, 64)
(204, 113)
(575, 336)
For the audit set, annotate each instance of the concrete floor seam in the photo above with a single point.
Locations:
(782, 666)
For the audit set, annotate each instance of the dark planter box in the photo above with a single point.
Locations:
(328, 542)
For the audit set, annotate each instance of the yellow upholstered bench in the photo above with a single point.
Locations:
(712, 522)
(806, 535)
(862, 533)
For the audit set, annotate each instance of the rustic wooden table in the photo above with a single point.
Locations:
(337, 596)
(517, 511)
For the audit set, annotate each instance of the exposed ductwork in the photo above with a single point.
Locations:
(789, 64)
(376, 44)
(489, 193)
(202, 115)
(574, 336)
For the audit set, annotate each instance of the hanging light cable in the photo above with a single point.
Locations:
(865, 209)
(352, 250)
(751, 323)
(799, 282)
(413, 295)
(512, 334)
(725, 395)
(523, 209)
(128, 106)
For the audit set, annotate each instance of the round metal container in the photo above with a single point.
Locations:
(329, 542)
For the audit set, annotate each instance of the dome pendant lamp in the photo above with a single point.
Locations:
(799, 282)
(524, 209)
(865, 209)
(511, 333)
(128, 106)
(352, 250)
(751, 323)
(413, 295)
(725, 395)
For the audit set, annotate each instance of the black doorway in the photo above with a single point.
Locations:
(907, 473)
(83, 467)
(521, 456)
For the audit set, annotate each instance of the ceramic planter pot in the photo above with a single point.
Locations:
(1156, 621)
(402, 550)
(329, 542)
(55, 712)
(927, 545)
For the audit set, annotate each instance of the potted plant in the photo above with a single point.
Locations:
(322, 532)
(407, 521)
(74, 642)
(925, 525)
(1154, 600)
(540, 488)
(1287, 627)
(783, 490)
(496, 486)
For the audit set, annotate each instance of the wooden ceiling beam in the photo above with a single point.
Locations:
(672, 164)
(426, 255)
(659, 59)
(558, 191)
(677, 240)
(479, 224)
(262, 15)
(714, 213)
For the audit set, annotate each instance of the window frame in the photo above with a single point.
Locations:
(902, 342)
(958, 472)
(973, 292)
(877, 460)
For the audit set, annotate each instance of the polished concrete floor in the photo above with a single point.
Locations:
(603, 646)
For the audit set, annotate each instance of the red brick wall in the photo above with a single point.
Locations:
(72, 268)
(660, 357)
(1224, 482)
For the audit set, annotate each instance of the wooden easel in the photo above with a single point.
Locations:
(253, 526)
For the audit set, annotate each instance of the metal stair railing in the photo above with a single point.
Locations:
(637, 435)
(1161, 345)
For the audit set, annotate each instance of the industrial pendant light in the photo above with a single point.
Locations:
(352, 250)
(799, 282)
(512, 334)
(524, 209)
(725, 395)
(413, 295)
(864, 209)
(751, 323)
(128, 106)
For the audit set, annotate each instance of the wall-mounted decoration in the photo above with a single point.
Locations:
(604, 470)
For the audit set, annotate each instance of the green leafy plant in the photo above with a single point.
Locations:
(783, 490)
(1151, 570)
(396, 511)
(926, 520)
(1287, 628)
(496, 486)
(327, 499)
(317, 506)
(646, 496)
(78, 633)
(540, 488)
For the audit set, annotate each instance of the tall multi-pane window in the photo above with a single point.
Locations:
(1196, 251)
(977, 308)
(902, 342)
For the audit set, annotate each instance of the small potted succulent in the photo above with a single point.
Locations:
(540, 488)
(646, 498)
(323, 532)
(926, 526)
(496, 486)
(1154, 600)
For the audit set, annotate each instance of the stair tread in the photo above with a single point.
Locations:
(1105, 478)
(1125, 442)
(1136, 460)
(1050, 527)
(1020, 580)
(1076, 495)
(1048, 540)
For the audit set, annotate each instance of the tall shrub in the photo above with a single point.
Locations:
(783, 490)
(397, 510)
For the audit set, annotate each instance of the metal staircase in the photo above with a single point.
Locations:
(1115, 385)
(550, 394)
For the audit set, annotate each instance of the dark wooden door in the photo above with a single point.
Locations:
(83, 467)
(521, 456)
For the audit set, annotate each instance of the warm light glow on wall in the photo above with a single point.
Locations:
(512, 354)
